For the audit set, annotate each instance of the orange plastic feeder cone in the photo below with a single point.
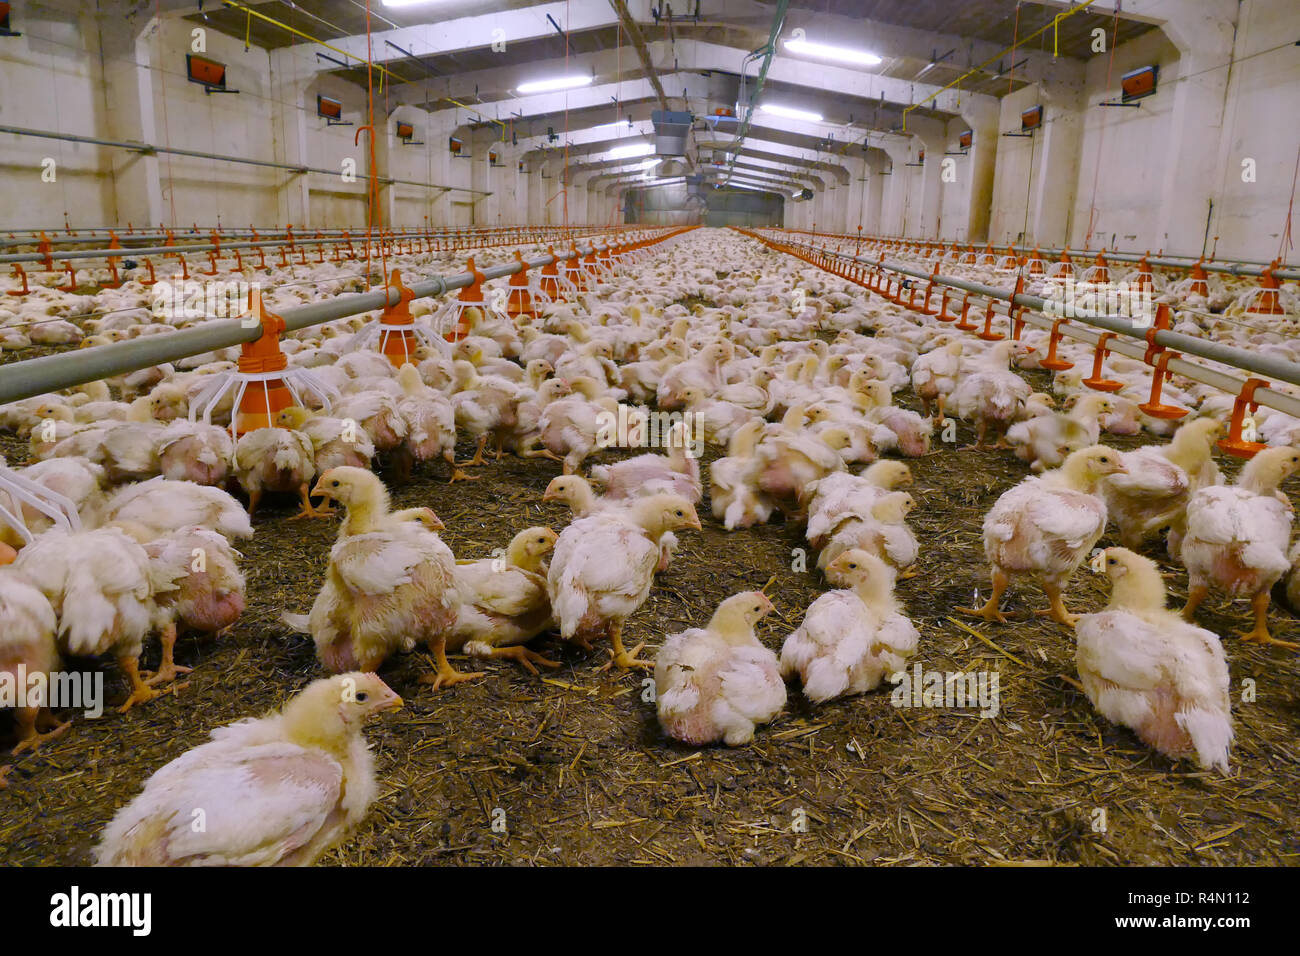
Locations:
(1053, 363)
(1095, 381)
(397, 338)
(520, 301)
(265, 395)
(1235, 444)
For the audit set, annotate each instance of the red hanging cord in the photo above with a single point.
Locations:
(1290, 209)
(1101, 137)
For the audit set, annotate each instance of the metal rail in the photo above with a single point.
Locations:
(1266, 366)
(243, 160)
(1240, 267)
(51, 373)
(70, 254)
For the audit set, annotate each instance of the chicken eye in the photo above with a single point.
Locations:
(361, 697)
(334, 484)
(853, 567)
(680, 515)
(1104, 460)
(1110, 561)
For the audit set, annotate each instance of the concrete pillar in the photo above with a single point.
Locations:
(129, 107)
(1056, 164)
(1204, 32)
(982, 120)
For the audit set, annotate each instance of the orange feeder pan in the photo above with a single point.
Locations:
(1095, 381)
(1245, 403)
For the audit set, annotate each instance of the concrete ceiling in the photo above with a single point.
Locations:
(441, 57)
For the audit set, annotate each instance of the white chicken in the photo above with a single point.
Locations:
(604, 566)
(717, 682)
(1237, 538)
(273, 791)
(1044, 527)
(850, 639)
(504, 602)
(1147, 669)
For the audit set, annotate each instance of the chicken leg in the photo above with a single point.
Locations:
(445, 675)
(478, 453)
(4, 772)
(524, 656)
(308, 510)
(1057, 611)
(990, 610)
(1259, 633)
(626, 660)
(168, 670)
(1195, 595)
(979, 439)
(141, 693)
(456, 473)
(28, 737)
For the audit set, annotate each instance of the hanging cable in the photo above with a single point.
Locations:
(1101, 136)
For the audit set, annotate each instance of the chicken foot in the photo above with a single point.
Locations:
(1259, 633)
(626, 660)
(1057, 610)
(28, 736)
(308, 510)
(478, 458)
(522, 655)
(456, 473)
(445, 675)
(990, 612)
(142, 693)
(168, 670)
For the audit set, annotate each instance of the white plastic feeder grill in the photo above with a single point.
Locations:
(264, 384)
(395, 333)
(16, 491)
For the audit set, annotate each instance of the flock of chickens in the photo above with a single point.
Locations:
(803, 403)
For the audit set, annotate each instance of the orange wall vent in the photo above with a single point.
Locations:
(328, 108)
(1032, 118)
(207, 72)
(966, 138)
(405, 131)
(1138, 83)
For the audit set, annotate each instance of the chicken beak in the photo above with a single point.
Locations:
(1120, 469)
(434, 521)
(394, 703)
(695, 523)
(320, 492)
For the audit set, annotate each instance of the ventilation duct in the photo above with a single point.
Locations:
(671, 131)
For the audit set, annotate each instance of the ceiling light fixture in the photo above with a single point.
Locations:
(837, 53)
(791, 113)
(557, 83)
(634, 149)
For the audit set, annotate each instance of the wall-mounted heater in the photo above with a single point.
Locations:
(4, 22)
(209, 74)
(457, 147)
(330, 110)
(964, 141)
(494, 158)
(1030, 120)
(1135, 85)
(406, 133)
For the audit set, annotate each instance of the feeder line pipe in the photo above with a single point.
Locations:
(51, 373)
(1122, 325)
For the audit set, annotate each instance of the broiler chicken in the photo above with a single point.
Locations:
(603, 568)
(27, 649)
(276, 460)
(100, 584)
(852, 638)
(390, 584)
(1237, 537)
(504, 603)
(1154, 491)
(1044, 527)
(717, 682)
(1147, 669)
(272, 791)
